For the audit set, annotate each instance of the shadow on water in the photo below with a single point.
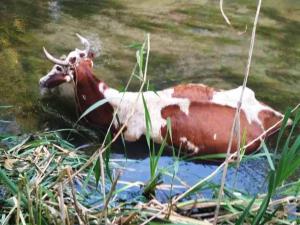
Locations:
(190, 42)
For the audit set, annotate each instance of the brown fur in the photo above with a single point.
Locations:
(194, 92)
(88, 85)
(205, 120)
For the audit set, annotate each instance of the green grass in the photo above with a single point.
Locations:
(286, 164)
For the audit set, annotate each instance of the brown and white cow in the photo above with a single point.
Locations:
(201, 116)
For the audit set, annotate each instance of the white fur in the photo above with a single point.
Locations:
(136, 125)
(68, 78)
(189, 144)
(76, 54)
(215, 136)
(250, 105)
(101, 87)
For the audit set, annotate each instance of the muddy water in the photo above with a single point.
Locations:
(190, 42)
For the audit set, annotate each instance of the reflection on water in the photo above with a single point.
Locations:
(190, 42)
(250, 179)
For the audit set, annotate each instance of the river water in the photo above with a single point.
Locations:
(190, 42)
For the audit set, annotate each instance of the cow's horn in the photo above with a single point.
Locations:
(85, 42)
(55, 60)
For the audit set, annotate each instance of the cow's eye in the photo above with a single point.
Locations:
(59, 69)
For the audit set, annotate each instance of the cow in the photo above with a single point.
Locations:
(201, 117)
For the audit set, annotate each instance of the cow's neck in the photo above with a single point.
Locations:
(87, 94)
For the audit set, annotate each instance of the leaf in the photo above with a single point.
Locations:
(282, 128)
(92, 108)
(97, 170)
(5, 106)
(87, 180)
(271, 164)
(135, 45)
(264, 205)
(246, 212)
(148, 122)
(169, 127)
(107, 156)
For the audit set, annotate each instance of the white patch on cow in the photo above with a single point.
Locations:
(189, 144)
(124, 102)
(215, 136)
(101, 87)
(76, 55)
(251, 106)
(68, 78)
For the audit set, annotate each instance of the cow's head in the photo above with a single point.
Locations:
(63, 69)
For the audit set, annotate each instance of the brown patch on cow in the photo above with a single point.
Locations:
(208, 127)
(269, 119)
(194, 92)
(88, 85)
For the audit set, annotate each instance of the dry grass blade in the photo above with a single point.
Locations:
(19, 211)
(238, 111)
(73, 191)
(223, 14)
(102, 180)
(161, 212)
(156, 215)
(7, 218)
(61, 203)
(110, 194)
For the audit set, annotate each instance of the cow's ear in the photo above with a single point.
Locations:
(91, 55)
